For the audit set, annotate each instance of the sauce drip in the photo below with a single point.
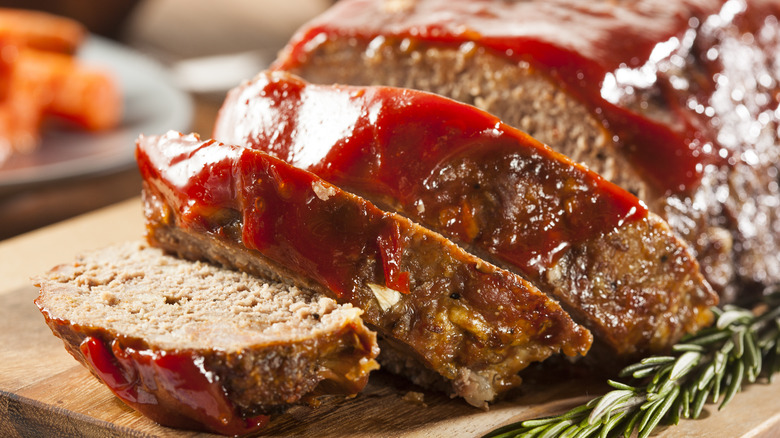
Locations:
(621, 59)
(168, 387)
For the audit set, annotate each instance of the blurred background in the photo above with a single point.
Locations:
(205, 47)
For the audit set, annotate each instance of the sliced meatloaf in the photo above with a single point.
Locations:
(674, 101)
(196, 346)
(617, 268)
(470, 322)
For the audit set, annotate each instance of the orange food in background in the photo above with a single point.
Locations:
(40, 80)
(40, 30)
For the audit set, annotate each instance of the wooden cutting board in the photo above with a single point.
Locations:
(45, 392)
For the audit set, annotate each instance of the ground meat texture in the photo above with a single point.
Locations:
(491, 188)
(144, 322)
(472, 323)
(676, 102)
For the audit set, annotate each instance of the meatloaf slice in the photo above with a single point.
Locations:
(503, 195)
(472, 323)
(674, 101)
(196, 346)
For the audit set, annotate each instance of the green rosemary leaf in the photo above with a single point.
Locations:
(570, 432)
(650, 362)
(555, 430)
(698, 403)
(688, 360)
(676, 410)
(720, 361)
(629, 429)
(534, 432)
(752, 357)
(660, 375)
(685, 405)
(768, 338)
(714, 362)
(540, 422)
(735, 384)
(738, 337)
(610, 424)
(576, 414)
(750, 374)
(661, 392)
(725, 350)
(588, 431)
(711, 338)
(717, 384)
(650, 414)
(732, 316)
(620, 385)
(706, 376)
(607, 403)
(658, 413)
(648, 409)
(645, 372)
(689, 347)
(658, 360)
(632, 403)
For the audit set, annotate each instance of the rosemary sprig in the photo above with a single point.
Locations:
(710, 365)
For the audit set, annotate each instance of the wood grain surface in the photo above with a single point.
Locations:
(45, 392)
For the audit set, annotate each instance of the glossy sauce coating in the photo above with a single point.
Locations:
(440, 302)
(443, 163)
(322, 232)
(621, 59)
(171, 388)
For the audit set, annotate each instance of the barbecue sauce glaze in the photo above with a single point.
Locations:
(444, 164)
(339, 240)
(168, 387)
(623, 60)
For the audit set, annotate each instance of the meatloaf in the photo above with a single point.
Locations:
(196, 346)
(675, 101)
(470, 322)
(618, 269)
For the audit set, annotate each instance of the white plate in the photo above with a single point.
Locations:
(152, 105)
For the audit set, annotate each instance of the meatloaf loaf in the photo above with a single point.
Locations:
(470, 322)
(675, 101)
(196, 346)
(617, 268)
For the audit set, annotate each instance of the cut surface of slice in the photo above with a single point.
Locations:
(193, 345)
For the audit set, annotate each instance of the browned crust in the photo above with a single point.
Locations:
(644, 288)
(480, 357)
(258, 381)
(508, 359)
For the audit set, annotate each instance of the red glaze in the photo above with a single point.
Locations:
(171, 388)
(394, 145)
(390, 253)
(319, 232)
(616, 57)
(282, 222)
